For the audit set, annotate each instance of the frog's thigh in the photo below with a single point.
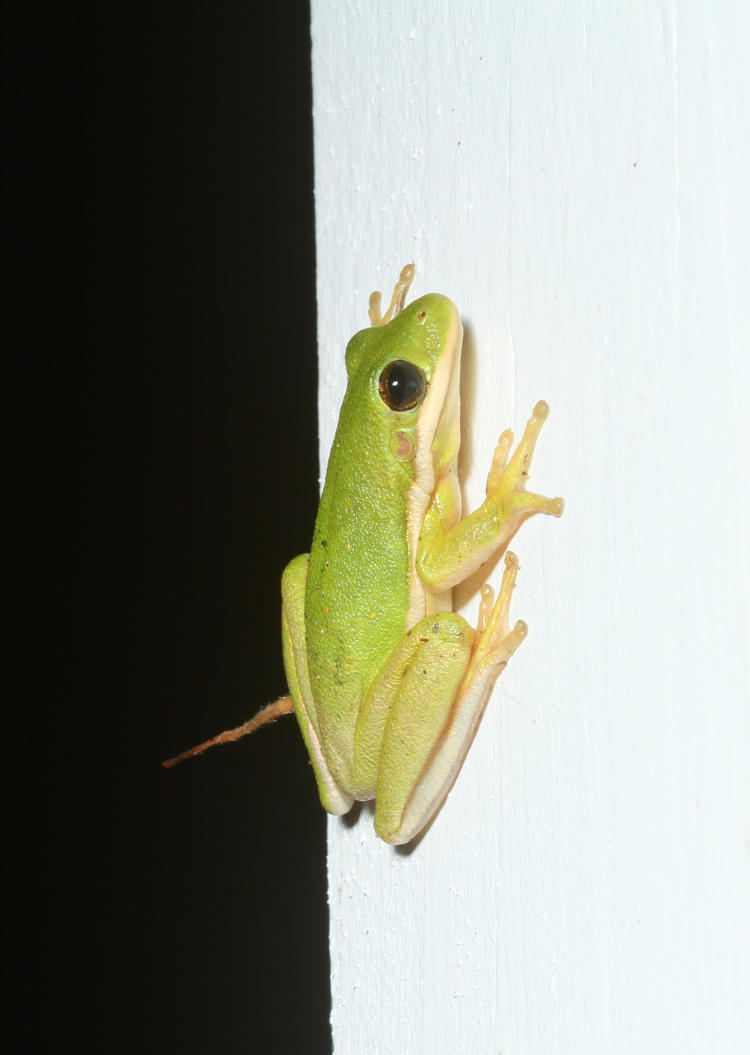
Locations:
(419, 744)
(293, 583)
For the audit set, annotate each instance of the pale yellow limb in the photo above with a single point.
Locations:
(451, 550)
(494, 644)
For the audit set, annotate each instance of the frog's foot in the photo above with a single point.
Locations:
(397, 300)
(495, 642)
(506, 481)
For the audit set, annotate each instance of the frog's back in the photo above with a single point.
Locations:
(360, 572)
(356, 600)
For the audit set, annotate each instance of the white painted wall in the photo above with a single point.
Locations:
(576, 176)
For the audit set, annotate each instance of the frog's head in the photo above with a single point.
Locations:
(405, 375)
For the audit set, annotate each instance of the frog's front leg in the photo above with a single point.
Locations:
(451, 549)
(418, 719)
(293, 583)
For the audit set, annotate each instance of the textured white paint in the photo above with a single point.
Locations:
(576, 177)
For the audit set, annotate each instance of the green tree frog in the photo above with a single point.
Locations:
(387, 682)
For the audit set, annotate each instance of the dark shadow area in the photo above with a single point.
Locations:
(165, 468)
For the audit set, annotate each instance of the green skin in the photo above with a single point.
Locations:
(389, 686)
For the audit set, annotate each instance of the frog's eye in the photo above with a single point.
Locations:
(402, 385)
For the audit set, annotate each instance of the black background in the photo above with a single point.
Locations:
(165, 466)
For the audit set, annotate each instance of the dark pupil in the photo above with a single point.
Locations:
(402, 385)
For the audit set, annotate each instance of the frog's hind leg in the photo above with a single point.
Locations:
(405, 714)
(293, 583)
(400, 817)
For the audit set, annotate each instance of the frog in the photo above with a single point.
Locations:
(388, 683)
